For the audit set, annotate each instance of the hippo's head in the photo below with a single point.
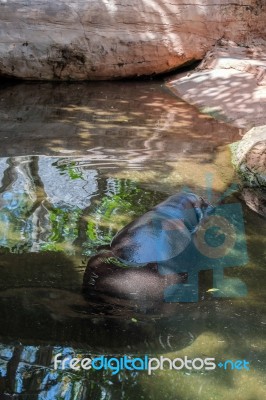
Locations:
(187, 207)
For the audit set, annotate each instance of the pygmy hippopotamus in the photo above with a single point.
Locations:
(128, 269)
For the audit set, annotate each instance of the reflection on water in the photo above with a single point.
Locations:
(125, 122)
(78, 163)
(45, 200)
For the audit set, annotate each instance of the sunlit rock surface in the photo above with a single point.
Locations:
(229, 84)
(100, 39)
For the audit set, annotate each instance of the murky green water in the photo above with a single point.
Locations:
(78, 162)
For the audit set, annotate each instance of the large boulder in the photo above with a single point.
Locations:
(102, 39)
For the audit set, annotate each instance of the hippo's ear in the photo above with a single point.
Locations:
(199, 213)
(157, 240)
